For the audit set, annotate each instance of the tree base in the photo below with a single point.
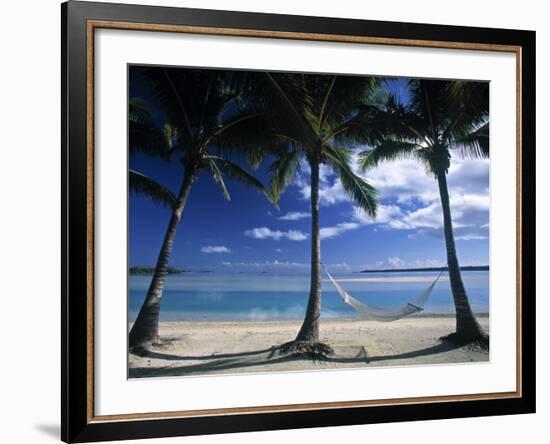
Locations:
(475, 342)
(317, 351)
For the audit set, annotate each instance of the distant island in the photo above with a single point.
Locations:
(409, 270)
(150, 270)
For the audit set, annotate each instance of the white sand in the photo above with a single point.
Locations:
(235, 347)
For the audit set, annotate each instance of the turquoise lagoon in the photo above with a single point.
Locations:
(269, 297)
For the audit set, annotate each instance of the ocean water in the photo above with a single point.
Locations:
(264, 297)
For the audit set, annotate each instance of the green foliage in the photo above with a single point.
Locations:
(319, 118)
(442, 117)
(387, 150)
(204, 124)
(140, 183)
(233, 171)
(138, 107)
(144, 135)
(363, 194)
(283, 170)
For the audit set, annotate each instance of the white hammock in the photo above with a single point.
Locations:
(385, 314)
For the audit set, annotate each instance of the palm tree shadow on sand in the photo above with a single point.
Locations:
(169, 357)
(268, 356)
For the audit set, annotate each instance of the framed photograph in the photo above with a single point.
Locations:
(277, 221)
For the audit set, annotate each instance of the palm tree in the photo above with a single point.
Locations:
(204, 124)
(147, 138)
(442, 117)
(316, 118)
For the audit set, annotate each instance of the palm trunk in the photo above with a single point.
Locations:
(467, 327)
(144, 332)
(310, 328)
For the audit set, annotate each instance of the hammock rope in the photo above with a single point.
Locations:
(384, 314)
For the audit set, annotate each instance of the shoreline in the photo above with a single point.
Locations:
(206, 320)
(209, 347)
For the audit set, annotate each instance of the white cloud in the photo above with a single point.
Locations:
(329, 194)
(267, 233)
(330, 189)
(470, 218)
(397, 262)
(417, 195)
(403, 181)
(267, 264)
(215, 249)
(337, 230)
(295, 235)
(295, 215)
(409, 197)
(286, 265)
(385, 214)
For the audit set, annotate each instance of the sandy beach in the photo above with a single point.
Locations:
(200, 348)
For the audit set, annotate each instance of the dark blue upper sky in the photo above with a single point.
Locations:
(247, 233)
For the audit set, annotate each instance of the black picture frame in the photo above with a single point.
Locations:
(77, 425)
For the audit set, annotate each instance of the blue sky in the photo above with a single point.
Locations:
(248, 234)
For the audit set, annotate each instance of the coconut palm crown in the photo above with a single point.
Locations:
(204, 127)
(442, 119)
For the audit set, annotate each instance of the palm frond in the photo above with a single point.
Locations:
(474, 143)
(237, 173)
(218, 178)
(167, 88)
(346, 96)
(325, 100)
(429, 102)
(239, 119)
(285, 99)
(386, 151)
(283, 171)
(138, 106)
(381, 96)
(374, 124)
(176, 93)
(468, 104)
(364, 195)
(249, 136)
(144, 136)
(159, 194)
(472, 94)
